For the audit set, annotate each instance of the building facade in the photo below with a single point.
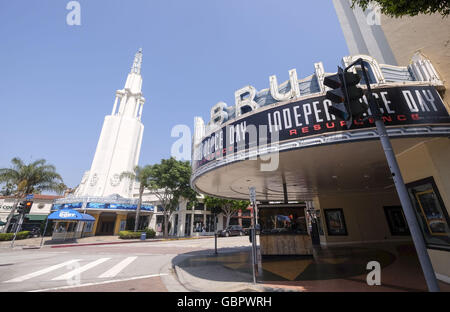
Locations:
(285, 143)
(119, 145)
(39, 211)
(424, 37)
(102, 192)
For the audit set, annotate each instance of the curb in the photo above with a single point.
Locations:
(125, 242)
(105, 243)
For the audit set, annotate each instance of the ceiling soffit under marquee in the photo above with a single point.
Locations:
(356, 167)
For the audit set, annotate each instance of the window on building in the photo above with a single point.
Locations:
(143, 222)
(246, 223)
(187, 225)
(275, 220)
(198, 222)
(160, 224)
(210, 223)
(200, 206)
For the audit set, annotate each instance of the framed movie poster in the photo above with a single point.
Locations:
(431, 213)
(396, 220)
(335, 221)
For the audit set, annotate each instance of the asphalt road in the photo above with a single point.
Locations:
(143, 266)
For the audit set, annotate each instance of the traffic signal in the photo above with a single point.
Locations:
(28, 205)
(24, 206)
(345, 96)
(21, 207)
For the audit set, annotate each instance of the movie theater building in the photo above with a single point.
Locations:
(308, 168)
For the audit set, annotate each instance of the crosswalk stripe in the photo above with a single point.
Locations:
(101, 283)
(118, 267)
(80, 269)
(41, 272)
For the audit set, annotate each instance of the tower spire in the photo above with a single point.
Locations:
(136, 68)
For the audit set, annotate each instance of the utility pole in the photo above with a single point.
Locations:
(215, 234)
(253, 234)
(18, 226)
(346, 106)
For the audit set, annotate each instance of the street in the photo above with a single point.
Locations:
(141, 266)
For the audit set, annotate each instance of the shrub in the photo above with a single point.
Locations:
(150, 233)
(6, 236)
(136, 235)
(23, 235)
(129, 235)
(10, 236)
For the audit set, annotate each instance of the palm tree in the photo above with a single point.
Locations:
(31, 178)
(141, 175)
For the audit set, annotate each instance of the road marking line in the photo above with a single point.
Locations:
(100, 283)
(118, 267)
(43, 271)
(80, 269)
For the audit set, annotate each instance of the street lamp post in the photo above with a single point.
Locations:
(405, 201)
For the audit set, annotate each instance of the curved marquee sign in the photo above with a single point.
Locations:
(400, 106)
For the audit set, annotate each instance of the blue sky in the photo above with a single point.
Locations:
(57, 81)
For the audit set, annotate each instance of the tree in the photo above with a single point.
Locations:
(7, 189)
(32, 178)
(141, 175)
(228, 207)
(399, 8)
(169, 182)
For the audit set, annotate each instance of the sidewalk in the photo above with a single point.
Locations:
(330, 270)
(85, 241)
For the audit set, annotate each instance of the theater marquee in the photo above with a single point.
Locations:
(405, 107)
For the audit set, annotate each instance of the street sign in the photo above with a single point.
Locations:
(252, 194)
(29, 196)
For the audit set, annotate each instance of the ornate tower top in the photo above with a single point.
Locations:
(136, 68)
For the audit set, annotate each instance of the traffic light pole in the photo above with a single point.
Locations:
(405, 201)
(215, 234)
(254, 246)
(19, 225)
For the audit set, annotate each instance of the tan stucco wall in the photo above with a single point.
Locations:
(119, 218)
(431, 158)
(363, 214)
(97, 217)
(428, 34)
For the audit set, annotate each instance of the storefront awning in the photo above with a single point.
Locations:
(70, 215)
(36, 217)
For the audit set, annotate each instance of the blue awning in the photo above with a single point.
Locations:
(70, 215)
(87, 217)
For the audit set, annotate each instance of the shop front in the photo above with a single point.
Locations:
(111, 214)
(68, 224)
(283, 230)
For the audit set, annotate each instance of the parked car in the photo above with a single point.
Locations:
(35, 232)
(232, 230)
(247, 230)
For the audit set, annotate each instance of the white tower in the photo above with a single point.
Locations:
(119, 145)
